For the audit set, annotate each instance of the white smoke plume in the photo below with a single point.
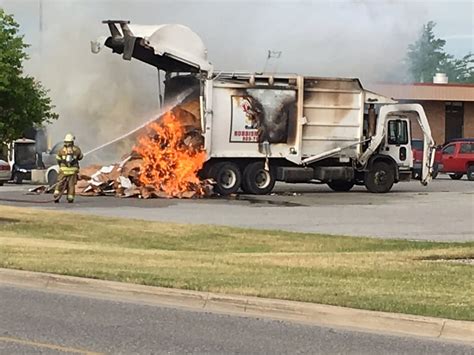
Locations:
(100, 97)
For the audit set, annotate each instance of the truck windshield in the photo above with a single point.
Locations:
(397, 132)
(25, 154)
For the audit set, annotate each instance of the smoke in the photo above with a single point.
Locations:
(100, 97)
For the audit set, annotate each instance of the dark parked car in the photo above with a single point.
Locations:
(5, 172)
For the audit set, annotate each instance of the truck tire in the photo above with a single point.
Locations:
(52, 177)
(17, 178)
(380, 178)
(457, 176)
(256, 180)
(435, 171)
(227, 176)
(470, 173)
(341, 186)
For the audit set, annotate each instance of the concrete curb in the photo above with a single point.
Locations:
(311, 313)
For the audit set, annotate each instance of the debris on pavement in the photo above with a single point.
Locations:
(38, 190)
(123, 180)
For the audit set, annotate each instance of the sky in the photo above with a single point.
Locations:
(105, 95)
(238, 33)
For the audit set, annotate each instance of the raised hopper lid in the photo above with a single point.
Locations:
(171, 47)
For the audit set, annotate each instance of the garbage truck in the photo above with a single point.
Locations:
(259, 128)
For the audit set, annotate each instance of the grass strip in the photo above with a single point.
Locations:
(384, 275)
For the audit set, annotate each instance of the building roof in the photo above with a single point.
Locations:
(426, 91)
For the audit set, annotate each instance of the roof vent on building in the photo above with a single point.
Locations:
(440, 78)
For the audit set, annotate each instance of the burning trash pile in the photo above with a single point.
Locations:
(163, 164)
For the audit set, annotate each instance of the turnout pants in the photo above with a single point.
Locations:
(66, 182)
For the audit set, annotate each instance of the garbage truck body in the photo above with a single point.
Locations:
(261, 128)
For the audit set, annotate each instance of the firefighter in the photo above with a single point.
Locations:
(68, 160)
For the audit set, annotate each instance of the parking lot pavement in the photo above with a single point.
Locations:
(442, 211)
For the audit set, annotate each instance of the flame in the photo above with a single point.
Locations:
(170, 165)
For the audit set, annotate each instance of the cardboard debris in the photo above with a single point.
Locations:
(122, 180)
(107, 169)
(37, 190)
(131, 192)
(188, 194)
(87, 172)
(130, 166)
(81, 185)
(125, 182)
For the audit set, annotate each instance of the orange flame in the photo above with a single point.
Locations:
(169, 165)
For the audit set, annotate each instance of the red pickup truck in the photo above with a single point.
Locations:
(458, 158)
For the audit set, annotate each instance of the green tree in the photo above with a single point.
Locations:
(426, 57)
(459, 70)
(23, 100)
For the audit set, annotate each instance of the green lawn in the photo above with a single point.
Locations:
(384, 275)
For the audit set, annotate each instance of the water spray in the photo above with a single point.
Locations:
(179, 99)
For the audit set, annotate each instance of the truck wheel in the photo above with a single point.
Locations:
(52, 177)
(470, 173)
(380, 178)
(17, 178)
(435, 171)
(256, 180)
(227, 176)
(456, 176)
(341, 186)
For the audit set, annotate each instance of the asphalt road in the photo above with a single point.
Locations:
(36, 321)
(442, 211)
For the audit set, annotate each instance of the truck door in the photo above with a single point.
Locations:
(465, 156)
(397, 142)
(449, 152)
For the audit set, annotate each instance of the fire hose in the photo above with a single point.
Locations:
(30, 201)
(179, 99)
(24, 201)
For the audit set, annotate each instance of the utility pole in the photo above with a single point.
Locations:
(40, 44)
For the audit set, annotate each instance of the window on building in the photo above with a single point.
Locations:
(454, 124)
(449, 149)
(397, 132)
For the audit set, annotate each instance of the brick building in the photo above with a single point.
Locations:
(449, 107)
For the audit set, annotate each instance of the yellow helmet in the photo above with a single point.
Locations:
(69, 138)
